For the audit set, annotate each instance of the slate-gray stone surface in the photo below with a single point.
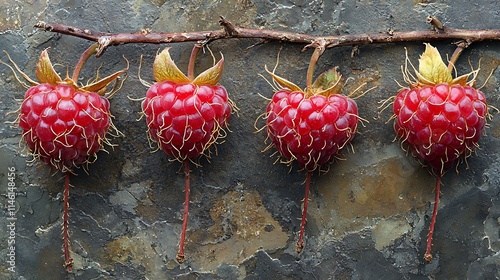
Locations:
(368, 217)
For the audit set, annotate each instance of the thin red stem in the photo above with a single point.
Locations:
(83, 58)
(428, 255)
(300, 242)
(68, 261)
(180, 255)
(192, 60)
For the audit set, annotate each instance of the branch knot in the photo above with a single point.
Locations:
(228, 27)
(317, 44)
(435, 22)
(43, 25)
(104, 42)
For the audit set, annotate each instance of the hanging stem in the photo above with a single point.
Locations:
(68, 261)
(428, 255)
(192, 59)
(454, 57)
(318, 51)
(83, 58)
(300, 242)
(180, 255)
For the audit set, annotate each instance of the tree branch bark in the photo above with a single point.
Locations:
(230, 31)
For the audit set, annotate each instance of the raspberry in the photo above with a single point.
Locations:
(185, 115)
(184, 118)
(64, 124)
(440, 123)
(310, 129)
(310, 126)
(439, 118)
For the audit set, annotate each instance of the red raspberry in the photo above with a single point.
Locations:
(440, 119)
(64, 125)
(310, 126)
(440, 123)
(185, 115)
(310, 129)
(184, 118)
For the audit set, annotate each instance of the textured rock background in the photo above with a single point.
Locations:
(368, 216)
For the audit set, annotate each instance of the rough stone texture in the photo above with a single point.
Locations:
(368, 215)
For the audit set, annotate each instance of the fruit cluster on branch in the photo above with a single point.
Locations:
(439, 118)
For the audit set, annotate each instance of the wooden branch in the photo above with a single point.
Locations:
(231, 31)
